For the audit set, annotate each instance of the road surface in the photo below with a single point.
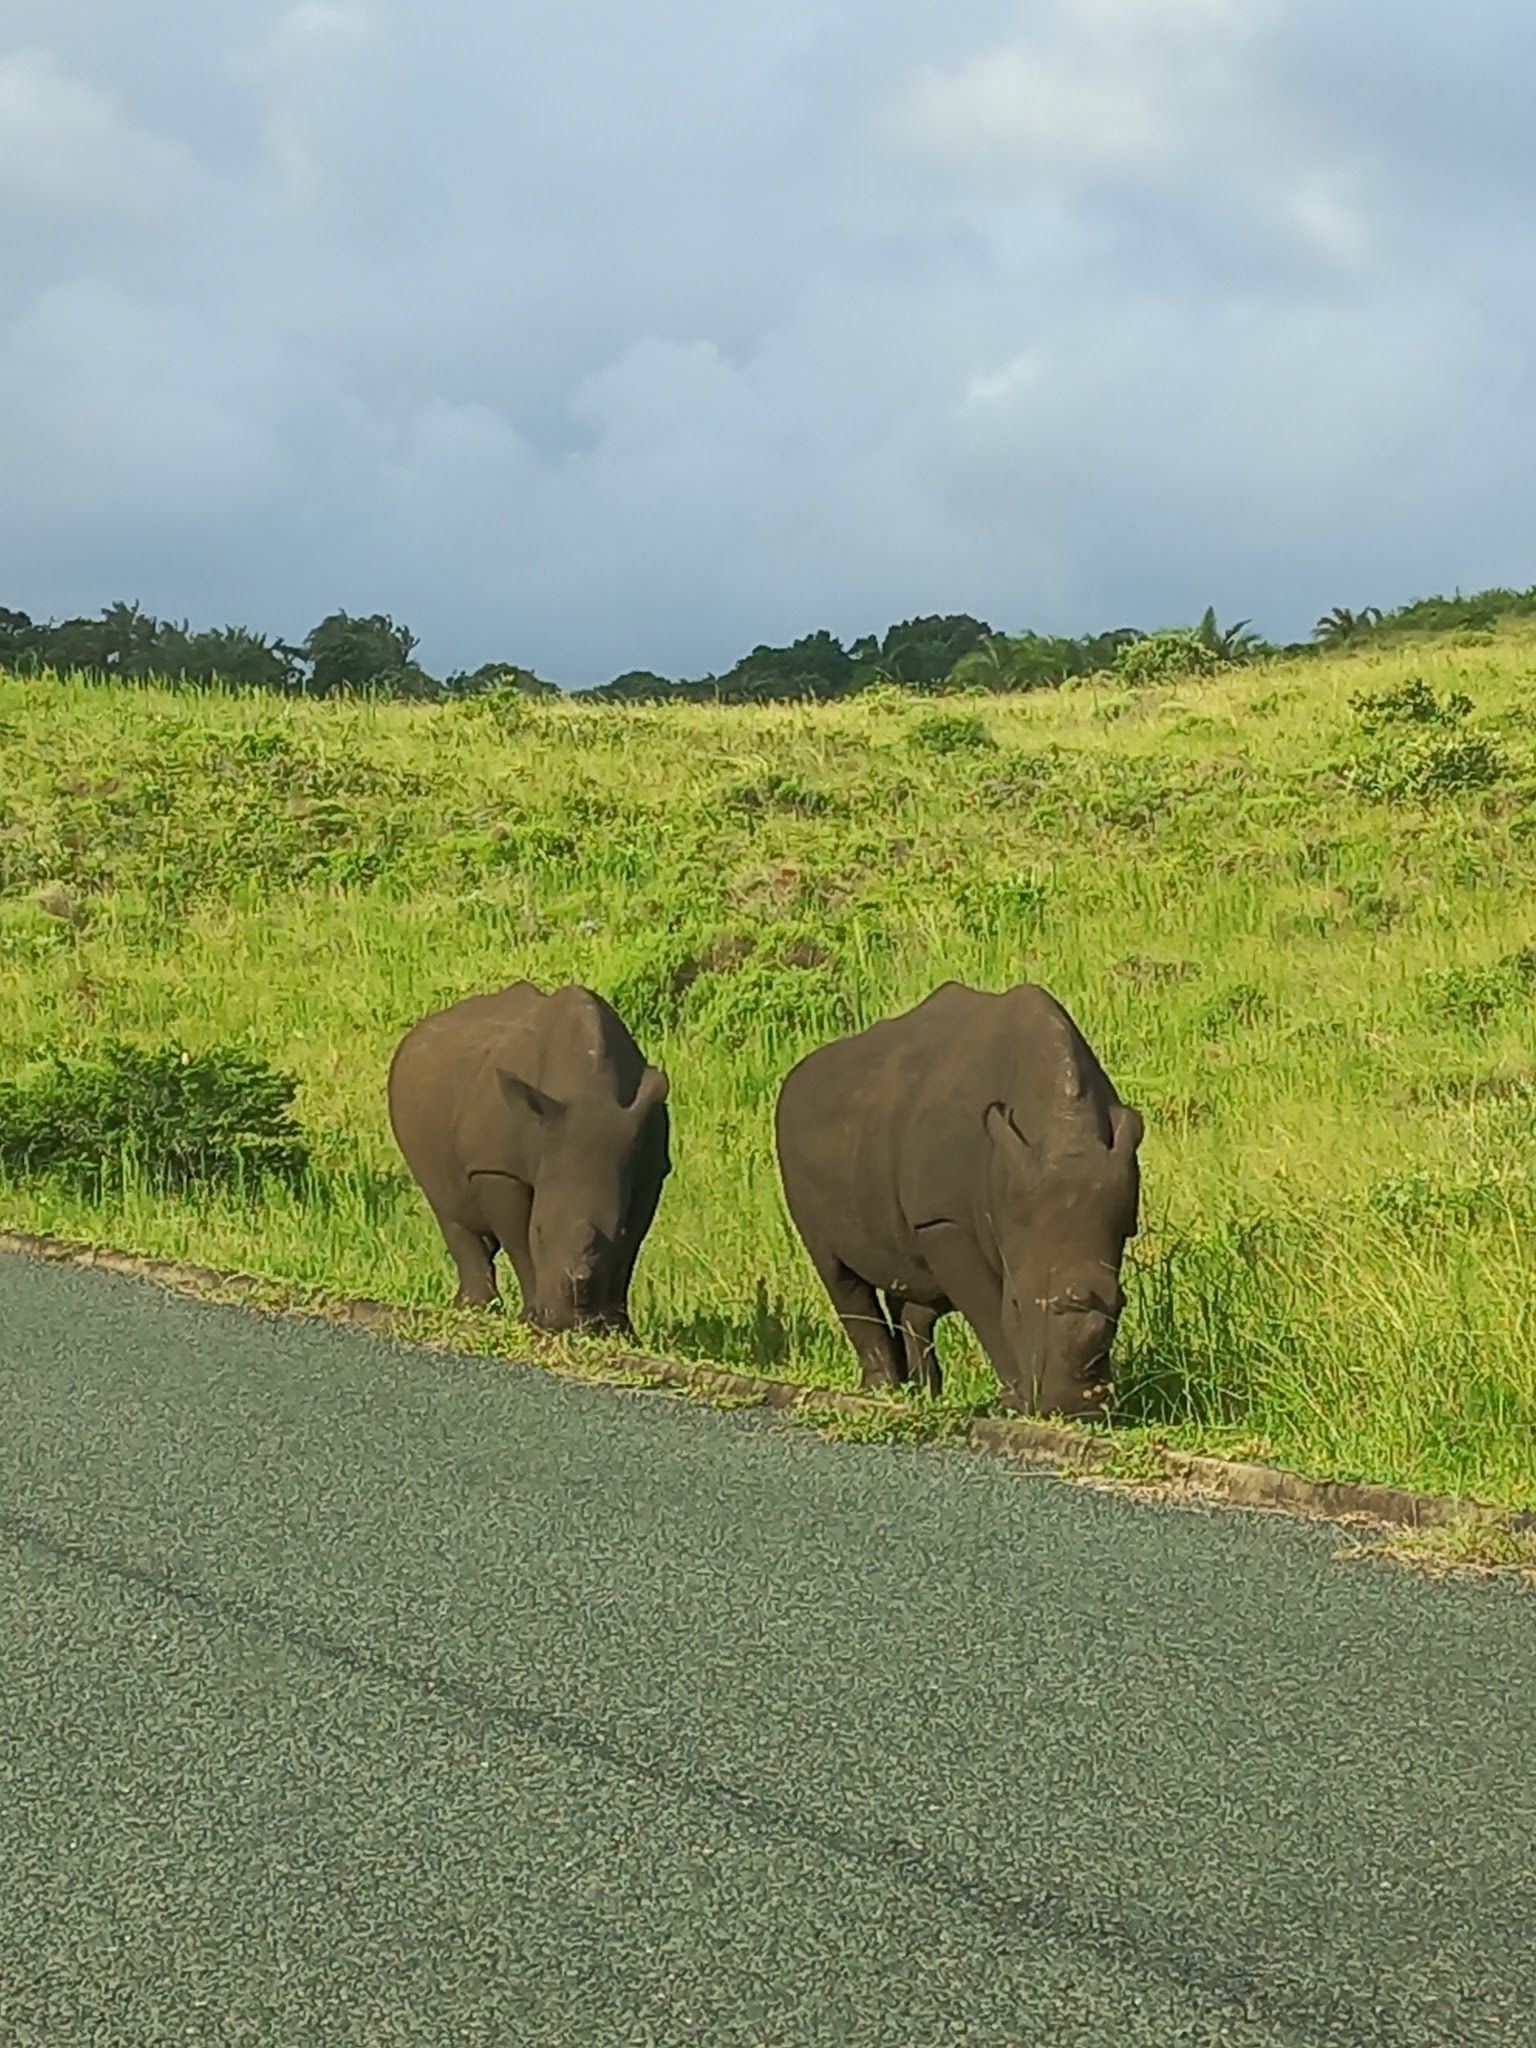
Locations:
(357, 1695)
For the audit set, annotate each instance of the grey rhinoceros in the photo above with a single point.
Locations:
(968, 1155)
(535, 1127)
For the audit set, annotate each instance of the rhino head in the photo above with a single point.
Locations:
(600, 1167)
(1062, 1211)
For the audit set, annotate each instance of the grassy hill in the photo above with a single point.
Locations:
(1298, 927)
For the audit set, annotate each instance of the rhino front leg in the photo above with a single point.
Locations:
(859, 1311)
(917, 1325)
(970, 1285)
(473, 1256)
(506, 1204)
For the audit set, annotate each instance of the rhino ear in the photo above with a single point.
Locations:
(651, 1093)
(1005, 1134)
(523, 1096)
(1127, 1126)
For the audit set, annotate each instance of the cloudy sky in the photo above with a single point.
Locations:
(595, 335)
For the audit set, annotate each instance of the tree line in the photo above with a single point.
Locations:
(935, 652)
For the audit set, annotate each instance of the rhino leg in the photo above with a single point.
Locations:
(506, 1204)
(956, 1263)
(859, 1311)
(916, 1324)
(474, 1258)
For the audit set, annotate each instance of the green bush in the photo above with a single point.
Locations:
(1472, 996)
(1244, 1003)
(1004, 905)
(1168, 657)
(953, 732)
(1417, 747)
(175, 1119)
(1411, 702)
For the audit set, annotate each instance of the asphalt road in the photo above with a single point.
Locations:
(350, 1694)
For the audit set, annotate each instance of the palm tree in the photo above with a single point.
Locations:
(992, 664)
(128, 637)
(1341, 624)
(1230, 643)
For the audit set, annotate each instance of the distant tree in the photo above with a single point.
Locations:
(1035, 661)
(635, 685)
(1101, 650)
(991, 666)
(1480, 610)
(1334, 628)
(498, 675)
(18, 639)
(130, 639)
(232, 654)
(373, 653)
(1229, 643)
(72, 644)
(817, 665)
(920, 651)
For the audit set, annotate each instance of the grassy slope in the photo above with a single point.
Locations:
(1315, 996)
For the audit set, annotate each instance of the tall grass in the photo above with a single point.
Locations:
(1318, 995)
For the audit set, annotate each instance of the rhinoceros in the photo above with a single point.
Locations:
(972, 1155)
(534, 1126)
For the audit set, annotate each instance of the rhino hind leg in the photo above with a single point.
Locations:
(916, 1324)
(859, 1311)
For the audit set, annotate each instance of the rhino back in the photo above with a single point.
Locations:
(443, 1064)
(850, 1116)
(887, 1128)
(445, 1099)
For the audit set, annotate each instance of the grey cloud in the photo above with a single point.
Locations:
(599, 337)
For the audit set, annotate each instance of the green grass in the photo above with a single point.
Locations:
(1461, 1547)
(1296, 936)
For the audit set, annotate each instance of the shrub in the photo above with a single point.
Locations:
(1426, 765)
(1167, 657)
(1411, 702)
(1417, 747)
(782, 793)
(503, 701)
(1242, 1004)
(1002, 904)
(175, 1118)
(953, 732)
(1471, 996)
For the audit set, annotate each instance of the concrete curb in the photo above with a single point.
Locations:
(1058, 1447)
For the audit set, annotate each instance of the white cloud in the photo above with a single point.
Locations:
(1025, 102)
(1117, 83)
(1331, 225)
(311, 32)
(995, 387)
(65, 144)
